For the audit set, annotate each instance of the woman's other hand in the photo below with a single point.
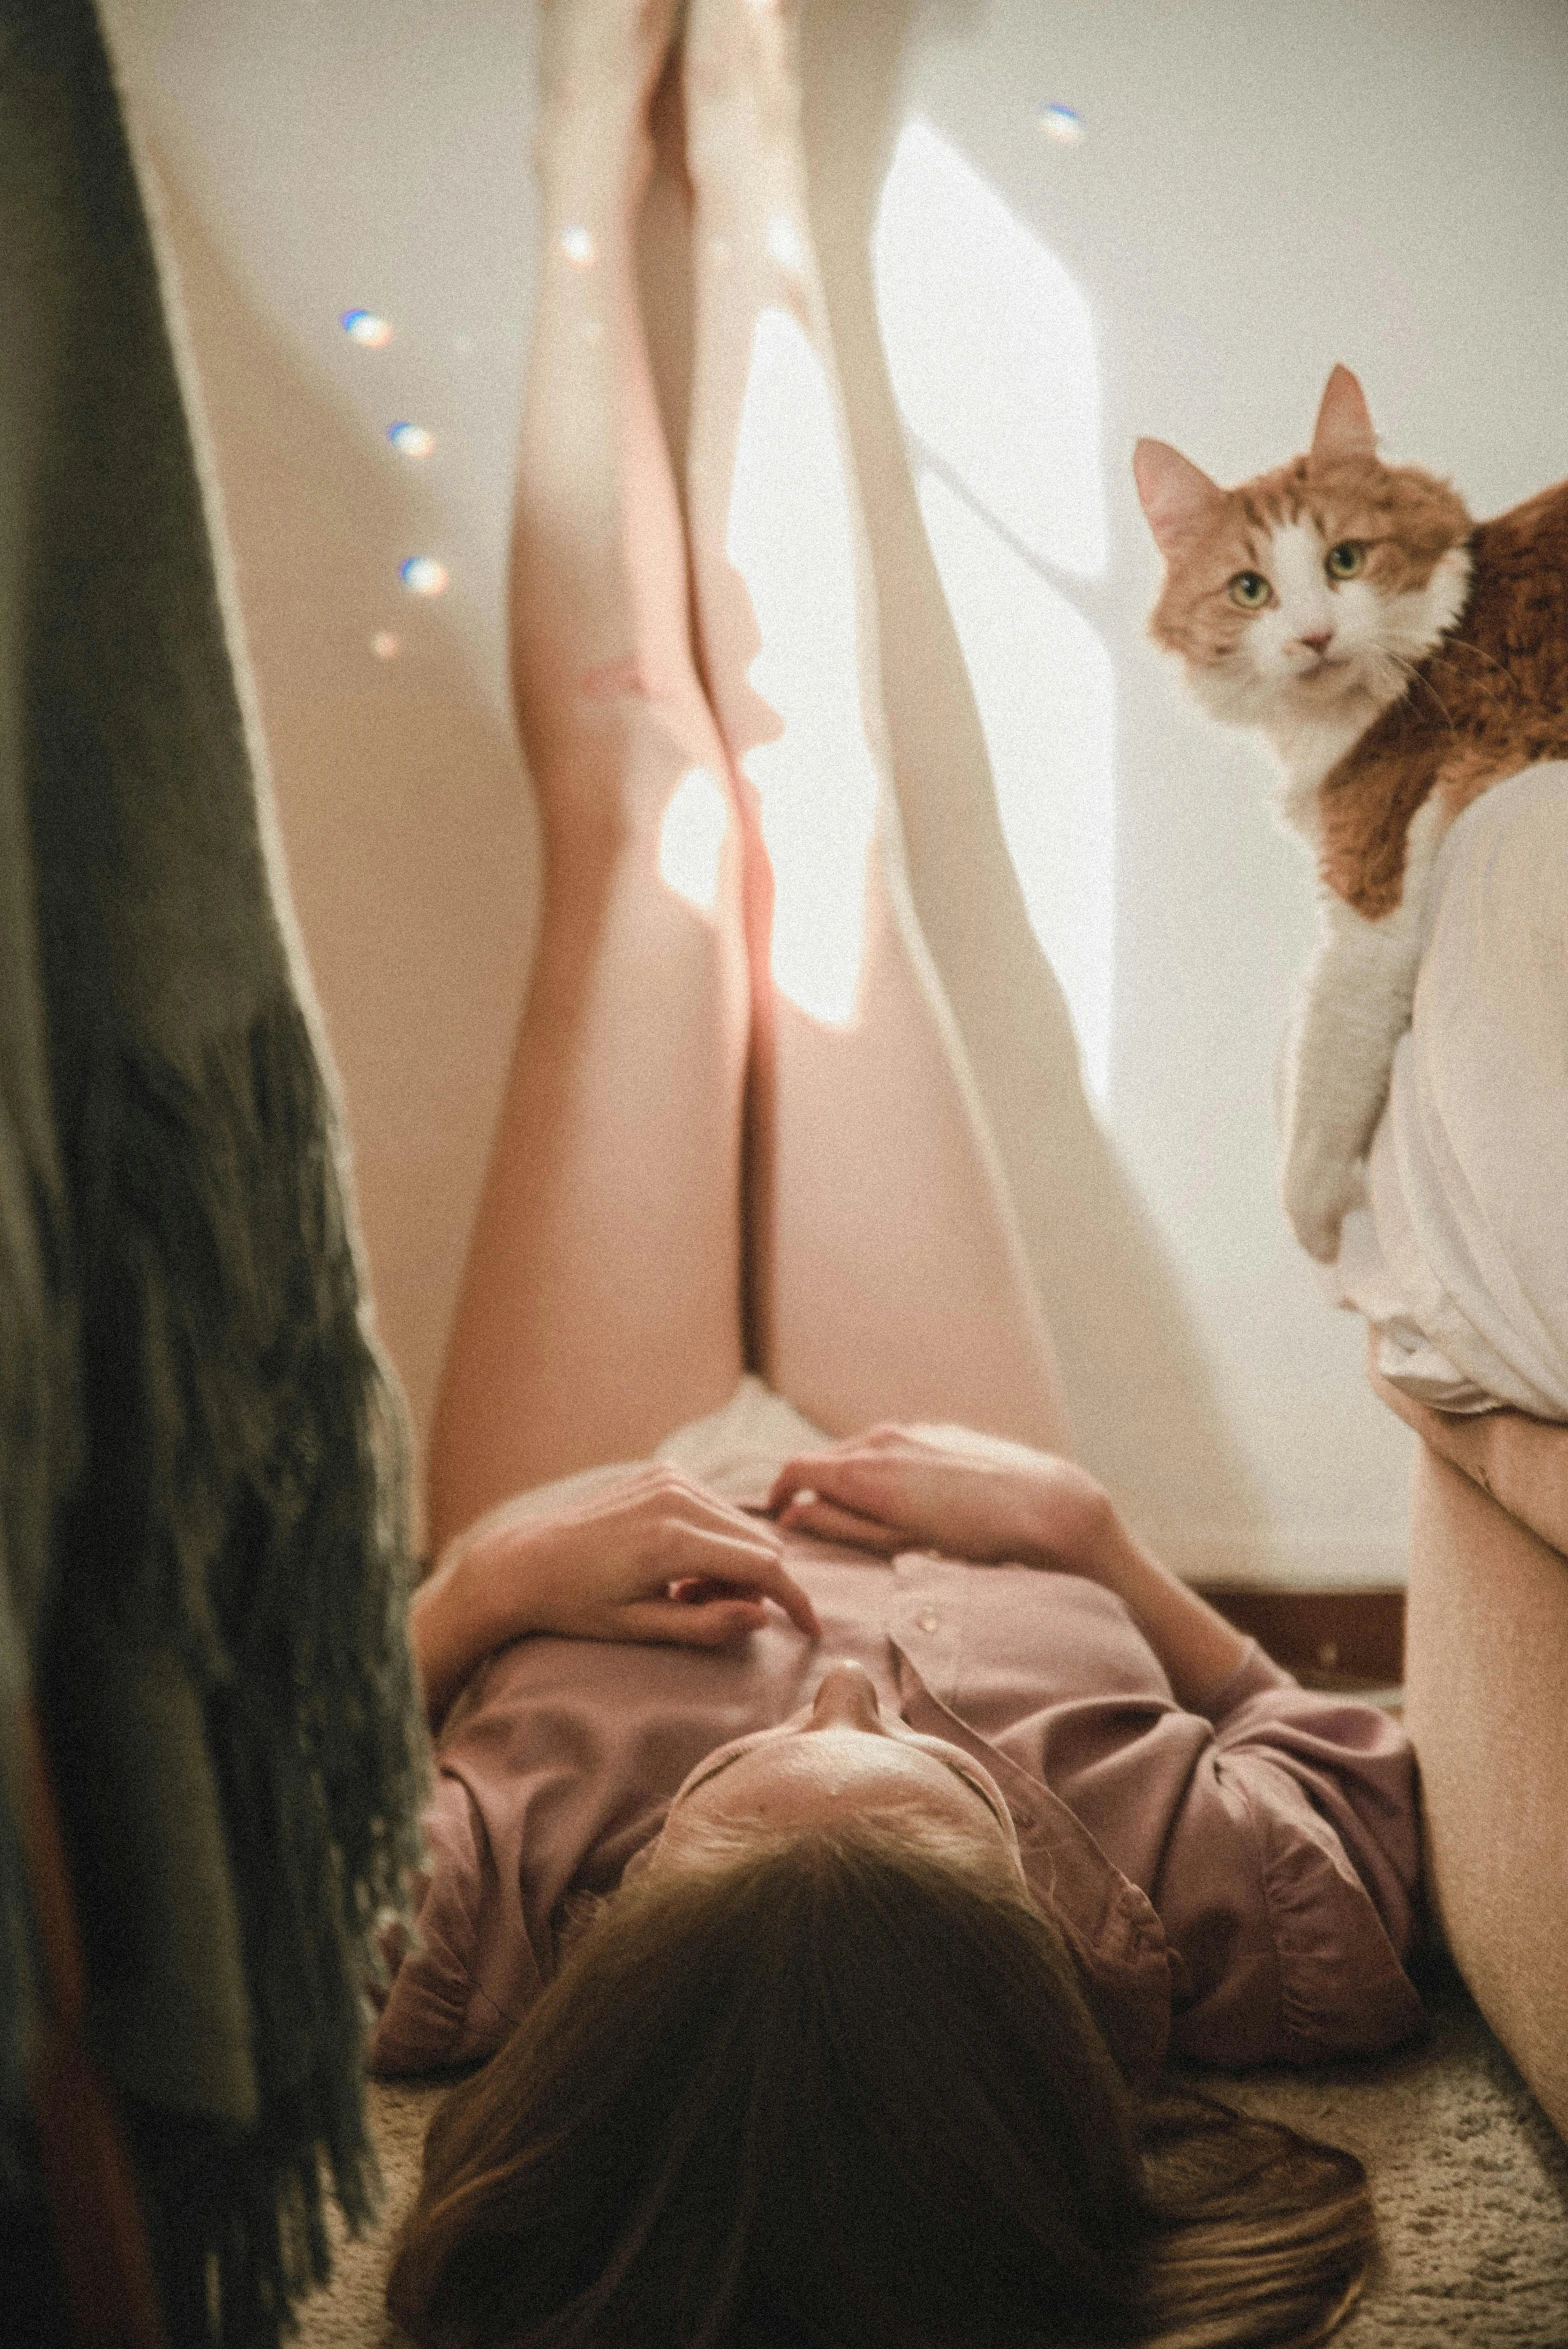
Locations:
(656, 1558)
(653, 1558)
(975, 1497)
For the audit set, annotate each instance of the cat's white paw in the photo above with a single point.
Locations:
(1320, 1186)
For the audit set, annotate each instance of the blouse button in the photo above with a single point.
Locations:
(927, 1619)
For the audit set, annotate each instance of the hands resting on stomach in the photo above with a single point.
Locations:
(914, 1488)
(658, 1558)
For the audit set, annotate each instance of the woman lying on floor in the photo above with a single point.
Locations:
(831, 1838)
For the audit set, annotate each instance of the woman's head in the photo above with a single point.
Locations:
(838, 2091)
(841, 1758)
(827, 2077)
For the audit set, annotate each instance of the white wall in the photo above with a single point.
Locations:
(1258, 191)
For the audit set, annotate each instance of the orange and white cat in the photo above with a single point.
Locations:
(1399, 659)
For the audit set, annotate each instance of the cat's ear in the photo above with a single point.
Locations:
(1178, 499)
(1344, 425)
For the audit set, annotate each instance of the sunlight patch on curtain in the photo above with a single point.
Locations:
(1047, 702)
(790, 536)
(991, 352)
(691, 838)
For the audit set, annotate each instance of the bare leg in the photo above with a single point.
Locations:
(892, 1279)
(598, 1309)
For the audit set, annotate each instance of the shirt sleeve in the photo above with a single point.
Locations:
(1290, 1882)
(435, 2013)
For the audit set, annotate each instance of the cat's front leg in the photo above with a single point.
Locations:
(1355, 1008)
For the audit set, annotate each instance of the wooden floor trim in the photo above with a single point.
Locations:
(1328, 1638)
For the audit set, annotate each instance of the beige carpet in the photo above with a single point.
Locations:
(1470, 2179)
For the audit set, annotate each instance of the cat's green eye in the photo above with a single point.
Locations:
(1345, 560)
(1251, 590)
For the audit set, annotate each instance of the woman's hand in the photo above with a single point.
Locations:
(911, 1488)
(654, 1558)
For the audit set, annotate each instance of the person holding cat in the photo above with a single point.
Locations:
(840, 1815)
(1402, 661)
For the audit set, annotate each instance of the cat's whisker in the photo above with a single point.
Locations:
(1500, 706)
(1463, 644)
(1415, 675)
(1468, 644)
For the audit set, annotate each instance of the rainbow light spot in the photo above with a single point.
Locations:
(423, 575)
(1061, 123)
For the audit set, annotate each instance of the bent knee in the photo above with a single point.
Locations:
(612, 680)
(646, 706)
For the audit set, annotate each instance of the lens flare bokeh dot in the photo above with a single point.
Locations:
(1062, 123)
(578, 246)
(423, 575)
(411, 440)
(384, 645)
(363, 326)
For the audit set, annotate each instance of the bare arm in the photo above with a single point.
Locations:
(904, 1488)
(1198, 1648)
(454, 1621)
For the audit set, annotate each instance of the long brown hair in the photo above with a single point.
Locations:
(841, 2093)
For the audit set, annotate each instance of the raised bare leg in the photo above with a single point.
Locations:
(598, 1308)
(893, 1282)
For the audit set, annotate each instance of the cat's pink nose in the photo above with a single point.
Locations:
(1319, 644)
